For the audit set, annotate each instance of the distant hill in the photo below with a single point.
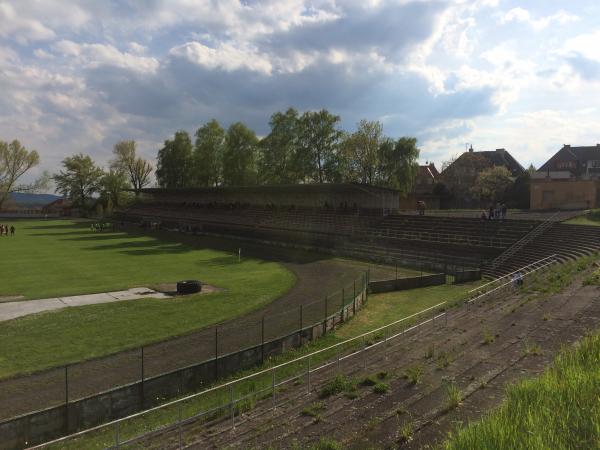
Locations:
(24, 199)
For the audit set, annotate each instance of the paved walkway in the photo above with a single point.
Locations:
(12, 310)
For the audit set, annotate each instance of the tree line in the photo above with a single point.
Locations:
(300, 148)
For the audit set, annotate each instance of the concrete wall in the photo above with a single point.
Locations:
(51, 423)
(401, 284)
(467, 275)
(564, 194)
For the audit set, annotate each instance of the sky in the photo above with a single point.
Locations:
(78, 76)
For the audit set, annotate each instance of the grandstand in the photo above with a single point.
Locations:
(363, 222)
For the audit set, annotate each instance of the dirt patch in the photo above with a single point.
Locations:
(526, 337)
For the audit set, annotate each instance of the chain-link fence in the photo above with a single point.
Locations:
(106, 388)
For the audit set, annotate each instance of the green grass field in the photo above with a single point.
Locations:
(558, 410)
(591, 218)
(50, 258)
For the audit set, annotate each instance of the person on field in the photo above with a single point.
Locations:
(12, 230)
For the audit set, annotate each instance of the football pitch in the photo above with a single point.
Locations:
(64, 257)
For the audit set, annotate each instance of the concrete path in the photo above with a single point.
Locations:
(12, 310)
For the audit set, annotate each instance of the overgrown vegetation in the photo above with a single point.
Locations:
(453, 396)
(414, 374)
(559, 409)
(339, 384)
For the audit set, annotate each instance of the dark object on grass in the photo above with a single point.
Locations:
(188, 287)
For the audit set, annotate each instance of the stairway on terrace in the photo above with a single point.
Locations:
(567, 242)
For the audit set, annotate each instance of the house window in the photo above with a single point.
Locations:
(595, 164)
(566, 164)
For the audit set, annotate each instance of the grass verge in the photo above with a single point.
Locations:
(559, 409)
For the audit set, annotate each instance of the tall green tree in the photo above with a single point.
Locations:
(175, 163)
(398, 163)
(239, 156)
(360, 153)
(135, 168)
(208, 154)
(79, 180)
(112, 187)
(16, 161)
(492, 183)
(278, 162)
(320, 137)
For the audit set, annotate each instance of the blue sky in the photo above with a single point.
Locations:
(77, 76)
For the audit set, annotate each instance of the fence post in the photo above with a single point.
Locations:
(343, 302)
(354, 300)
(262, 341)
(67, 399)
(301, 317)
(142, 376)
(117, 435)
(308, 375)
(179, 414)
(273, 387)
(216, 353)
(231, 410)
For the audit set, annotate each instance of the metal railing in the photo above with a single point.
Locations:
(264, 383)
(513, 249)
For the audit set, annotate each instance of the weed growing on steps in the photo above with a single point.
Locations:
(339, 384)
(326, 444)
(314, 410)
(488, 337)
(381, 388)
(531, 348)
(414, 374)
(453, 397)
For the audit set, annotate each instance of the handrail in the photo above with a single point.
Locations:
(232, 382)
(540, 229)
(512, 273)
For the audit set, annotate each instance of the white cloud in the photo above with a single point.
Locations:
(96, 55)
(21, 29)
(225, 56)
(522, 15)
(587, 45)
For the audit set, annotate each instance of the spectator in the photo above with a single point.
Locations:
(504, 209)
(491, 213)
(483, 215)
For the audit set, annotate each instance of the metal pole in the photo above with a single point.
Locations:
(308, 375)
(231, 406)
(67, 399)
(179, 427)
(216, 353)
(142, 375)
(262, 340)
(301, 318)
(273, 387)
(342, 311)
